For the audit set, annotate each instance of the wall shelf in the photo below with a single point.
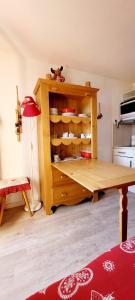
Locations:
(121, 122)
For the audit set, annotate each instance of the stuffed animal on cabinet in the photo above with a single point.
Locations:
(57, 74)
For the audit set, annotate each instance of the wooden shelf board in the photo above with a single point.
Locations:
(68, 141)
(65, 119)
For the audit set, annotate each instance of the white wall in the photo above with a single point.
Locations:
(12, 72)
(16, 70)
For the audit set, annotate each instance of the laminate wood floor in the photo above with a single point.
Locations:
(36, 251)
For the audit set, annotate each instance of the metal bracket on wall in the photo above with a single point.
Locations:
(118, 123)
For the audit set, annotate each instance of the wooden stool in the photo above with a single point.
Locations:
(8, 186)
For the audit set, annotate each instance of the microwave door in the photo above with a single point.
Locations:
(127, 110)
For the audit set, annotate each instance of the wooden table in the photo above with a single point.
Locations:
(97, 175)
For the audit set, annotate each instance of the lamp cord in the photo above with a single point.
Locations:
(31, 150)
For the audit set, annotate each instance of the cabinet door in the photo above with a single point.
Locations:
(127, 162)
(123, 161)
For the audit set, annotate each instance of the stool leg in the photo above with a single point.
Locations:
(27, 202)
(3, 202)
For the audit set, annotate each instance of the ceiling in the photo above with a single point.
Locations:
(97, 36)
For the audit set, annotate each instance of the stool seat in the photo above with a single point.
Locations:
(8, 186)
(14, 185)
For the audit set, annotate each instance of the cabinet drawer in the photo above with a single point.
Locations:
(123, 151)
(60, 178)
(69, 192)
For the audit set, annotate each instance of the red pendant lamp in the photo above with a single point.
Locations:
(31, 108)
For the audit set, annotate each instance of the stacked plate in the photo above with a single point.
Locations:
(83, 115)
(53, 111)
(68, 112)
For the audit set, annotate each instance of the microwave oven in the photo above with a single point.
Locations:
(127, 110)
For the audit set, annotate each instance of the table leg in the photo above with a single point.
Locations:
(123, 213)
(27, 202)
(3, 203)
(95, 197)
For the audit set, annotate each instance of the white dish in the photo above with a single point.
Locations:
(53, 114)
(82, 115)
(74, 137)
(69, 158)
(68, 114)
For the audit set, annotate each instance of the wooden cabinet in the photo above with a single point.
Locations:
(57, 188)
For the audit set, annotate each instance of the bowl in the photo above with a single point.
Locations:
(85, 154)
(67, 110)
(54, 111)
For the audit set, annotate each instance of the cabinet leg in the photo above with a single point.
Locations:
(48, 210)
(95, 197)
(123, 213)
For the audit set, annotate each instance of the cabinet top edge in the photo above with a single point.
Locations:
(67, 85)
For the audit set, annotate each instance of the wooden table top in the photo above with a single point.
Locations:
(96, 175)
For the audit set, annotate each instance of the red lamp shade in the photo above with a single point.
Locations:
(27, 99)
(31, 108)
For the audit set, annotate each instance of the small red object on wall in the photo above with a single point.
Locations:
(18, 124)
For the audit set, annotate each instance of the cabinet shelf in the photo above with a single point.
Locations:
(66, 142)
(74, 119)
